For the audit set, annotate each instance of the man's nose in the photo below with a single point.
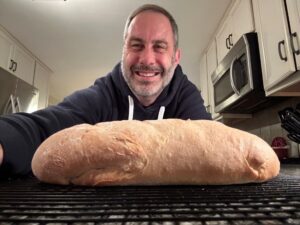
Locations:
(147, 56)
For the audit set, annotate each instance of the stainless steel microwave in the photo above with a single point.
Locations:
(237, 81)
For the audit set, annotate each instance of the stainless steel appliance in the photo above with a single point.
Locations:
(237, 81)
(16, 95)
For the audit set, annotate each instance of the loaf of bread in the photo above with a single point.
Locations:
(164, 152)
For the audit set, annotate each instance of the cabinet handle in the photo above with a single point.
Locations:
(236, 91)
(294, 37)
(15, 66)
(230, 40)
(11, 65)
(281, 43)
(227, 43)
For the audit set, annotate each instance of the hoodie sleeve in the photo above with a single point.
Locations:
(22, 133)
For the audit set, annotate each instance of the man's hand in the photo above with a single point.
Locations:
(1, 154)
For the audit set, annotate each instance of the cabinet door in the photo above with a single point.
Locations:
(293, 7)
(241, 19)
(6, 50)
(41, 82)
(222, 39)
(275, 42)
(211, 56)
(25, 65)
(203, 82)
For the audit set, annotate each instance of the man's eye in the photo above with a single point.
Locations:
(136, 46)
(160, 47)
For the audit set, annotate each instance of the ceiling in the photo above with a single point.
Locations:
(81, 40)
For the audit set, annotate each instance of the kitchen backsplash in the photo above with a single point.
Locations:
(266, 124)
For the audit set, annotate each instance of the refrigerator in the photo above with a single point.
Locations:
(16, 95)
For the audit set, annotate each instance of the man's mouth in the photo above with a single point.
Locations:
(147, 71)
(147, 74)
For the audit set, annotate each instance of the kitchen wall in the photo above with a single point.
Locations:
(266, 124)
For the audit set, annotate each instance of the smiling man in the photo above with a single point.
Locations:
(150, 55)
(148, 84)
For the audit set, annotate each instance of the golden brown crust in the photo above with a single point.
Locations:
(169, 151)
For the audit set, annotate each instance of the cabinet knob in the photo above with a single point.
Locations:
(281, 43)
(294, 38)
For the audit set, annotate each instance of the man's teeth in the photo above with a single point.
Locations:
(147, 74)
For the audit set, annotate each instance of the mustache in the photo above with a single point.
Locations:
(147, 68)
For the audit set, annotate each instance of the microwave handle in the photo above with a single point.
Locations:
(231, 78)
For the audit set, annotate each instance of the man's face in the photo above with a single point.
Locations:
(149, 56)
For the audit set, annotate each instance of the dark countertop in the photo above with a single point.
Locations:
(290, 169)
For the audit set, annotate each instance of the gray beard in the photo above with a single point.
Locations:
(142, 90)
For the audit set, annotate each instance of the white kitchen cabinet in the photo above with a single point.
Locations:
(222, 38)
(293, 7)
(208, 64)
(203, 82)
(15, 59)
(41, 82)
(238, 21)
(24, 64)
(6, 50)
(278, 47)
(211, 56)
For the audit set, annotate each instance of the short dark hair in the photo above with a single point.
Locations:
(154, 8)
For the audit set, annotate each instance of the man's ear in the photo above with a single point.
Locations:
(177, 56)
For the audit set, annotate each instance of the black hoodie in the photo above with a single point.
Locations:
(107, 100)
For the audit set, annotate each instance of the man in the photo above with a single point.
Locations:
(147, 84)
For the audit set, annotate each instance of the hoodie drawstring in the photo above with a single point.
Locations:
(131, 109)
(161, 113)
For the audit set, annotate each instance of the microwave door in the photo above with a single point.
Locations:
(239, 75)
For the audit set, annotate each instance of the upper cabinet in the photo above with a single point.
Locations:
(203, 82)
(238, 21)
(278, 28)
(6, 50)
(293, 8)
(16, 59)
(208, 64)
(19, 61)
(23, 64)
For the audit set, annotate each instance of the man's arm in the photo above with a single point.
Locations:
(24, 132)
